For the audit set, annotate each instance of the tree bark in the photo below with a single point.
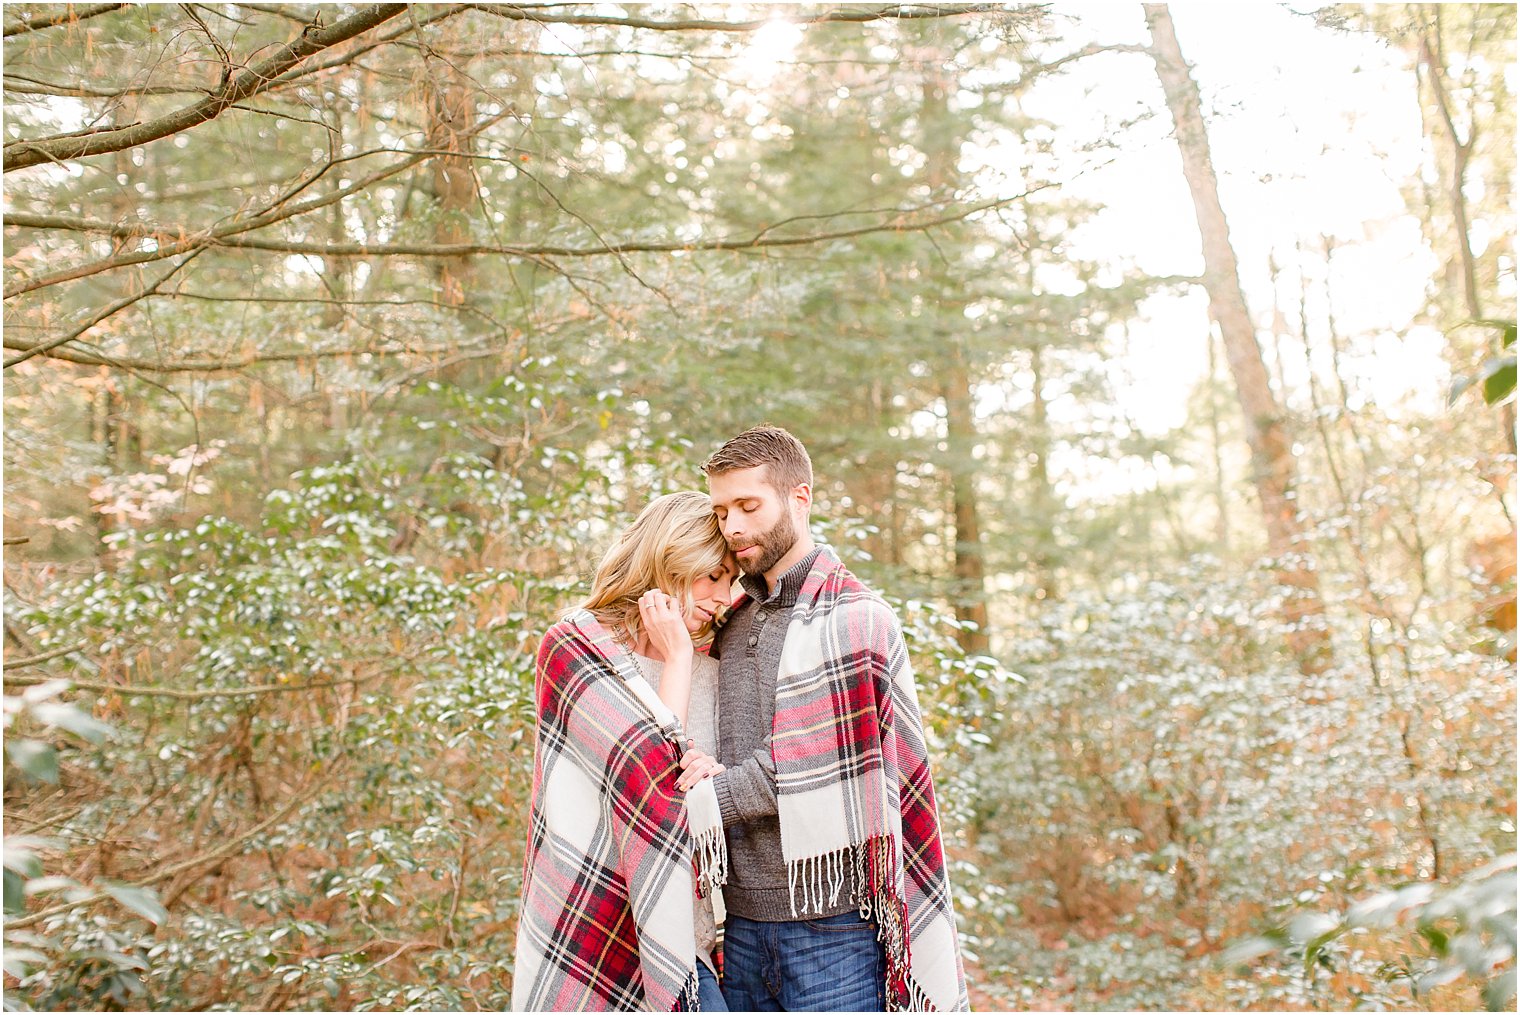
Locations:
(451, 121)
(1272, 465)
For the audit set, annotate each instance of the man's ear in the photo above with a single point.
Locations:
(803, 494)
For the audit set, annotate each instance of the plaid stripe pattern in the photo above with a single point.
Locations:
(613, 858)
(854, 790)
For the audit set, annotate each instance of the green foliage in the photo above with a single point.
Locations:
(1438, 935)
(1166, 773)
(101, 966)
(346, 706)
(1496, 377)
(305, 525)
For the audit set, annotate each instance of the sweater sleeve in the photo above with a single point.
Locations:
(747, 791)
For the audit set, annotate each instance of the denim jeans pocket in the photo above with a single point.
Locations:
(843, 923)
(835, 964)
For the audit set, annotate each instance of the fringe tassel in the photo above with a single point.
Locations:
(870, 869)
(711, 855)
(688, 999)
(917, 999)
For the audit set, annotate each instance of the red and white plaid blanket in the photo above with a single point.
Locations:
(616, 854)
(854, 791)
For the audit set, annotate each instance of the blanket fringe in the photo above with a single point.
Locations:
(689, 999)
(711, 855)
(870, 869)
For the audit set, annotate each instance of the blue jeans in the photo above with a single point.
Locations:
(832, 964)
(709, 995)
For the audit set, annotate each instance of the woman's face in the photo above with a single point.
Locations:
(708, 593)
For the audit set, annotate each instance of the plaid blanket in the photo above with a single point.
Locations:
(854, 792)
(616, 854)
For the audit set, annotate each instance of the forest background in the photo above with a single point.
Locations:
(1162, 375)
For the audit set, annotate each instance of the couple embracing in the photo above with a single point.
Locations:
(776, 786)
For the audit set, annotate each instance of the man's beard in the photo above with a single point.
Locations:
(774, 544)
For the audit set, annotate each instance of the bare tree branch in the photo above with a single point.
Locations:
(186, 366)
(16, 664)
(180, 240)
(112, 309)
(23, 154)
(200, 694)
(1081, 54)
(221, 852)
(900, 224)
(412, 23)
(279, 11)
(903, 221)
(900, 12)
(20, 84)
(68, 16)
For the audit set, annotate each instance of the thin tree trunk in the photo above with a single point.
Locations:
(1044, 495)
(878, 485)
(1216, 443)
(1272, 465)
(1431, 50)
(336, 270)
(1372, 602)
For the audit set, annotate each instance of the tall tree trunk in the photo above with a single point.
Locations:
(970, 567)
(941, 143)
(1272, 465)
(451, 118)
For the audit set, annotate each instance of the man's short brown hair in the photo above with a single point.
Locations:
(786, 460)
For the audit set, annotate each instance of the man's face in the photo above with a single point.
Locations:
(759, 523)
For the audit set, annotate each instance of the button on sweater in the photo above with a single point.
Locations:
(749, 659)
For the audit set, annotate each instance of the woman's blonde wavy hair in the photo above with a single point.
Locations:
(674, 541)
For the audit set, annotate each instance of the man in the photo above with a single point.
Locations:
(837, 895)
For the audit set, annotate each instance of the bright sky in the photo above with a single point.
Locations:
(1312, 133)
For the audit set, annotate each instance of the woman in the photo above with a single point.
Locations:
(623, 859)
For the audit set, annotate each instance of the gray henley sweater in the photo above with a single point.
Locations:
(749, 659)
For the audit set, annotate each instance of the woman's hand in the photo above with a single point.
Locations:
(697, 765)
(664, 625)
